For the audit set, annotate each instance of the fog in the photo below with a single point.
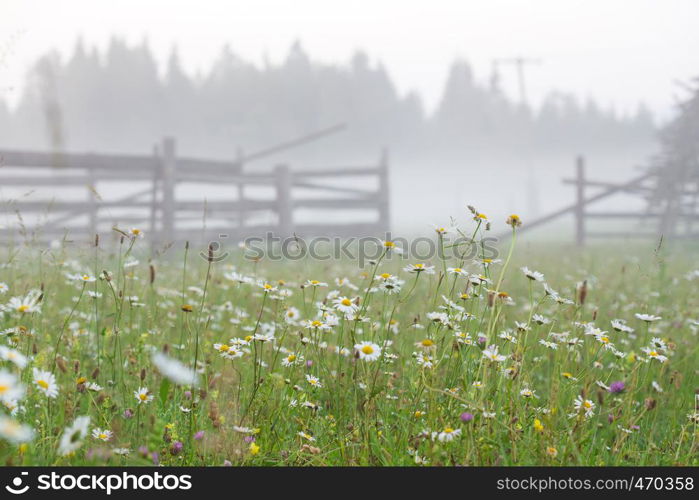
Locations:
(435, 84)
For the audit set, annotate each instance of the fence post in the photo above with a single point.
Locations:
(92, 201)
(284, 202)
(241, 193)
(167, 206)
(153, 215)
(384, 194)
(580, 201)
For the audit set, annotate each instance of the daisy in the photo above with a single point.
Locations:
(142, 395)
(457, 270)
(3, 288)
(368, 351)
(291, 359)
(102, 434)
(313, 381)
(174, 370)
(584, 405)
(654, 354)
(620, 326)
(136, 232)
(10, 388)
(532, 275)
(345, 305)
(46, 382)
(292, 314)
(73, 435)
(306, 436)
(16, 357)
(390, 246)
(491, 353)
(419, 268)
(424, 360)
(314, 283)
(528, 393)
(25, 305)
(448, 434)
(648, 318)
(14, 432)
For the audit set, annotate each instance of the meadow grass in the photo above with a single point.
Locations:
(111, 357)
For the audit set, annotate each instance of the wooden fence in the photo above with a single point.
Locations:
(647, 222)
(175, 198)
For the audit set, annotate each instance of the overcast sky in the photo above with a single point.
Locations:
(620, 52)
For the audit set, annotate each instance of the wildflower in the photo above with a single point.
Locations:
(532, 275)
(46, 382)
(174, 370)
(254, 448)
(448, 434)
(199, 435)
(188, 308)
(466, 417)
(10, 388)
(102, 434)
(548, 345)
(3, 288)
(528, 393)
(74, 435)
(390, 246)
(368, 351)
(14, 432)
(143, 396)
(538, 426)
(551, 451)
(306, 436)
(653, 354)
(648, 318)
(314, 283)
(656, 386)
(176, 447)
(419, 268)
(514, 221)
(424, 360)
(291, 359)
(616, 387)
(313, 381)
(136, 233)
(25, 305)
(345, 305)
(620, 326)
(584, 405)
(491, 353)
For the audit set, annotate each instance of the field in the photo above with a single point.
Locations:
(533, 356)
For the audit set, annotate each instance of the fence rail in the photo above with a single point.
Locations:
(178, 198)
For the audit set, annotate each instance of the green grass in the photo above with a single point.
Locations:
(381, 412)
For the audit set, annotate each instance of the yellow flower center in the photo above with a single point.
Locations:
(224, 348)
(291, 358)
(346, 302)
(457, 269)
(653, 353)
(314, 282)
(4, 389)
(389, 244)
(448, 430)
(103, 436)
(23, 308)
(43, 384)
(143, 396)
(427, 343)
(367, 349)
(315, 323)
(587, 404)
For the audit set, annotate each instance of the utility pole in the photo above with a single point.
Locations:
(519, 63)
